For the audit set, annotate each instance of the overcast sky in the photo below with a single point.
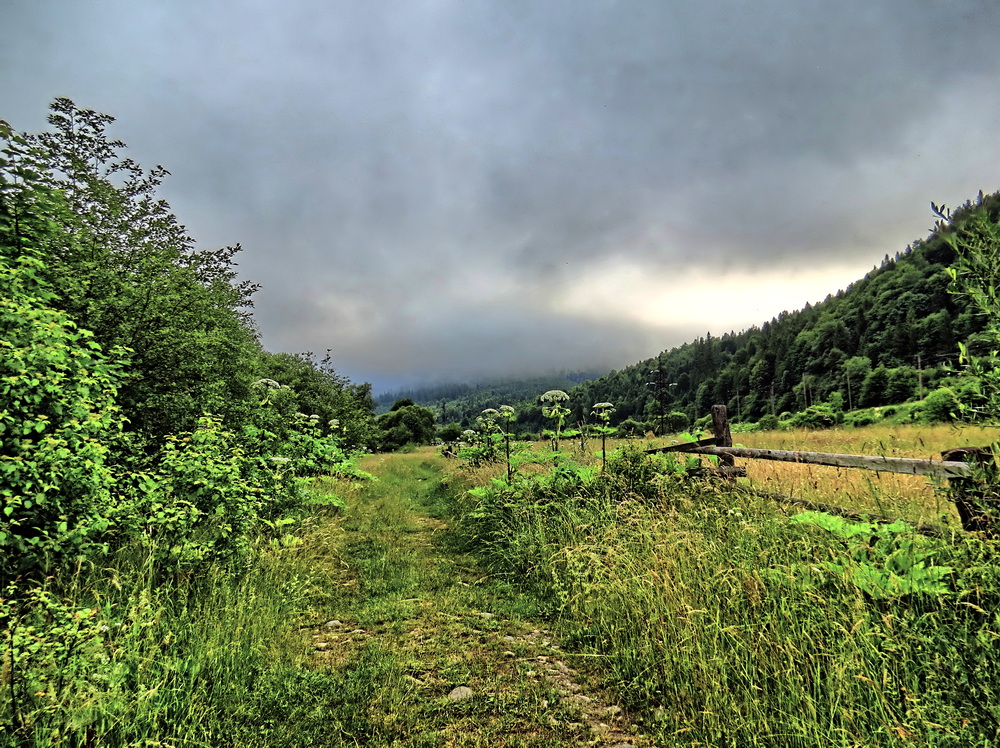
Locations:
(438, 189)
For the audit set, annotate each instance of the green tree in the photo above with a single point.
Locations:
(125, 269)
(901, 385)
(450, 433)
(856, 369)
(404, 424)
(874, 388)
(973, 231)
(343, 408)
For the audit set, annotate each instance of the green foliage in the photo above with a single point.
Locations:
(973, 231)
(632, 428)
(677, 421)
(859, 418)
(316, 389)
(125, 269)
(492, 442)
(941, 405)
(404, 424)
(883, 560)
(768, 422)
(450, 433)
(49, 645)
(56, 420)
(821, 416)
(875, 388)
(553, 409)
(729, 625)
(204, 502)
(117, 487)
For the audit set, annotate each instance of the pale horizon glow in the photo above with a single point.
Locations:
(697, 298)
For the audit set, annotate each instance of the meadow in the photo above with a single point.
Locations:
(448, 605)
(911, 497)
(729, 619)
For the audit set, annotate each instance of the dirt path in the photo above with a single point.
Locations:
(462, 658)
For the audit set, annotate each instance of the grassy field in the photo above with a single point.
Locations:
(446, 607)
(728, 622)
(411, 642)
(914, 498)
(911, 497)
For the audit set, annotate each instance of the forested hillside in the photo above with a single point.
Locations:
(887, 338)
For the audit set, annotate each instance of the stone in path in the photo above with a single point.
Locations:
(461, 693)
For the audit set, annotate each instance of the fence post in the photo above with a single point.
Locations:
(723, 437)
(968, 493)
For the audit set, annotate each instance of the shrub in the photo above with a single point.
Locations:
(941, 405)
(815, 417)
(768, 422)
(631, 427)
(57, 389)
(677, 421)
(861, 418)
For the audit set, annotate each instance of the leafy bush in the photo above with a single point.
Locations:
(768, 422)
(404, 424)
(859, 418)
(632, 428)
(819, 416)
(58, 415)
(204, 501)
(941, 405)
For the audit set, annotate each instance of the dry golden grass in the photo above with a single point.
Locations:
(914, 498)
(910, 497)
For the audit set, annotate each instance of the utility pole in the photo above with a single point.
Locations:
(657, 386)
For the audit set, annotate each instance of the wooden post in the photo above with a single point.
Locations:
(723, 437)
(967, 493)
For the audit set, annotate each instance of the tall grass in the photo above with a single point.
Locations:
(121, 655)
(732, 626)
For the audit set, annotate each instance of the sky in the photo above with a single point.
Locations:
(441, 190)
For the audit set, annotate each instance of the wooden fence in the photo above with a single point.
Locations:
(960, 474)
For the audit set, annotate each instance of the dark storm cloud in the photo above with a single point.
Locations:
(415, 183)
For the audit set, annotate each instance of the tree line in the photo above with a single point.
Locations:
(136, 400)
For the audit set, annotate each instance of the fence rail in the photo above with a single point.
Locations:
(966, 493)
(906, 465)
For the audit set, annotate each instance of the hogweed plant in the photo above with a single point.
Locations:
(507, 415)
(553, 408)
(490, 430)
(603, 412)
